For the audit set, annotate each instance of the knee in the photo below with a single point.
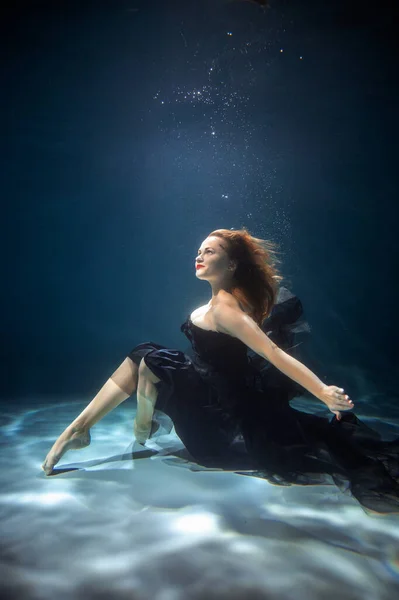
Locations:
(143, 372)
(126, 376)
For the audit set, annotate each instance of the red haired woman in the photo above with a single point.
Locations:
(237, 382)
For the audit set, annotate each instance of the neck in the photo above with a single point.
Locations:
(216, 288)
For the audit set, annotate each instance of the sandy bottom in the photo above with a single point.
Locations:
(124, 521)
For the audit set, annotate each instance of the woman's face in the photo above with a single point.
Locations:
(212, 259)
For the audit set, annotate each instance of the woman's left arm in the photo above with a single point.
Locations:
(235, 322)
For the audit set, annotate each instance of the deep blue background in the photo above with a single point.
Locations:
(107, 192)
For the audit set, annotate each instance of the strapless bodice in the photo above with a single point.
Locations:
(219, 350)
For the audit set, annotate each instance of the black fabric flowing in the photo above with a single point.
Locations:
(230, 408)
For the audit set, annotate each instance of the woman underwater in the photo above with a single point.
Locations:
(220, 393)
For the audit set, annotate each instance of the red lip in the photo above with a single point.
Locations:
(199, 267)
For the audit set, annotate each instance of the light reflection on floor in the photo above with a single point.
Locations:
(122, 521)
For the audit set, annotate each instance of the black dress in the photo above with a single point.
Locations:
(231, 408)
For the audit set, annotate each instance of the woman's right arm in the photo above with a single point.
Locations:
(237, 324)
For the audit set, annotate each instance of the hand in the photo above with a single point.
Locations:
(336, 399)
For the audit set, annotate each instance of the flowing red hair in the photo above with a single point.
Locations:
(256, 278)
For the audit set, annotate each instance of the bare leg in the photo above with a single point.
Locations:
(147, 395)
(121, 385)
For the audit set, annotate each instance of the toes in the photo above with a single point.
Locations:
(48, 465)
(46, 469)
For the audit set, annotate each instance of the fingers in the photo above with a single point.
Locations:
(343, 399)
(342, 407)
(340, 393)
(339, 401)
(343, 404)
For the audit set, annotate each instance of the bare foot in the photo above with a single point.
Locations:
(143, 433)
(70, 439)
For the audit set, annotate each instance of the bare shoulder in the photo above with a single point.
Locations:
(231, 319)
(226, 299)
(227, 312)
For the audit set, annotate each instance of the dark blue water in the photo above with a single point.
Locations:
(131, 130)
